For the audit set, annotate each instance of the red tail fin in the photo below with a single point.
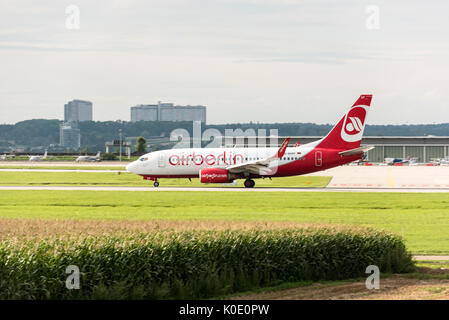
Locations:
(348, 132)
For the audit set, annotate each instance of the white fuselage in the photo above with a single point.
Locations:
(189, 162)
(86, 158)
(39, 158)
(36, 158)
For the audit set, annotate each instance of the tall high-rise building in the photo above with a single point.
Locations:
(69, 135)
(78, 110)
(167, 112)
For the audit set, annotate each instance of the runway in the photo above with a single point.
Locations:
(414, 177)
(227, 189)
(410, 179)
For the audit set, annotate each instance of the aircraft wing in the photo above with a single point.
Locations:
(356, 151)
(263, 166)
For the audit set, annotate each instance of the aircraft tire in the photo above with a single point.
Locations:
(249, 183)
(156, 184)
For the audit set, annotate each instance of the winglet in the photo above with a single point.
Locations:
(283, 147)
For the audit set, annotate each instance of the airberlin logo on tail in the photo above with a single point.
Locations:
(352, 129)
(354, 125)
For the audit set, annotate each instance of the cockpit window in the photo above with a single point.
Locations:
(143, 159)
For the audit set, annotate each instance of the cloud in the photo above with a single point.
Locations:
(240, 57)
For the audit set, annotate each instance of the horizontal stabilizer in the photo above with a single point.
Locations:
(355, 151)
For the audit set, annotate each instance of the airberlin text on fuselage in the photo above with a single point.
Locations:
(209, 159)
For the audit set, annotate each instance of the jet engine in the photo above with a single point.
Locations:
(216, 175)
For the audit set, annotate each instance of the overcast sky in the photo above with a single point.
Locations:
(246, 60)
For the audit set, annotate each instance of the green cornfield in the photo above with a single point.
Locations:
(192, 264)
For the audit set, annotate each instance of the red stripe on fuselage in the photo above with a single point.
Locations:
(329, 159)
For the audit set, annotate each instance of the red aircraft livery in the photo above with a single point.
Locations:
(224, 165)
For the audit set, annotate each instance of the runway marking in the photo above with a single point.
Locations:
(390, 180)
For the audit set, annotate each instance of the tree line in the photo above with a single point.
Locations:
(94, 134)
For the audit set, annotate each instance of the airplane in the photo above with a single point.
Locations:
(224, 165)
(89, 158)
(5, 157)
(435, 161)
(396, 161)
(440, 161)
(393, 161)
(39, 158)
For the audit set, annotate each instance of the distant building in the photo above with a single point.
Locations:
(78, 110)
(167, 112)
(69, 135)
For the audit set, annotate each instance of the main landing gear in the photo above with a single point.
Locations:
(249, 183)
(156, 184)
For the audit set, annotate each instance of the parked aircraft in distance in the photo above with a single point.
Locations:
(440, 161)
(5, 157)
(39, 158)
(224, 165)
(89, 158)
(394, 161)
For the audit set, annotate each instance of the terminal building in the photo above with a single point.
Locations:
(78, 110)
(424, 148)
(168, 112)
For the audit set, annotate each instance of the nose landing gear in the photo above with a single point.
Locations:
(249, 183)
(155, 183)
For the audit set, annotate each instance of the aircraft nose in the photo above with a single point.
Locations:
(132, 167)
